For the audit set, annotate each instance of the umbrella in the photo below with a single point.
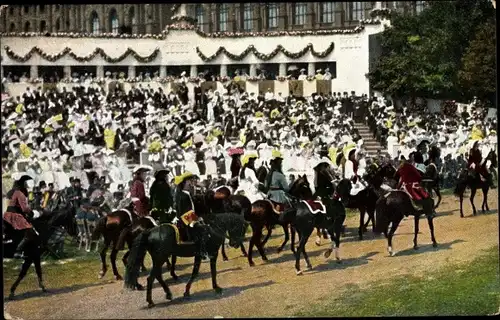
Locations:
(292, 68)
(236, 151)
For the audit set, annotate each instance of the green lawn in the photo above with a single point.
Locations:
(462, 289)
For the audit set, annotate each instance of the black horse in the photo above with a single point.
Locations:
(392, 207)
(45, 226)
(164, 241)
(431, 179)
(469, 178)
(303, 220)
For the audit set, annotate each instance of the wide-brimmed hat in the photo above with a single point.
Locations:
(183, 177)
(25, 177)
(276, 155)
(142, 168)
(248, 156)
(158, 172)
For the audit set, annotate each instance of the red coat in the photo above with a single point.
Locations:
(409, 180)
(17, 203)
(138, 195)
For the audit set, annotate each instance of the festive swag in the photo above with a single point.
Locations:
(67, 51)
(263, 56)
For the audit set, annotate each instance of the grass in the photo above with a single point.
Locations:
(461, 289)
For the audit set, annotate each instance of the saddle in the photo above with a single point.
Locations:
(278, 208)
(315, 206)
(181, 238)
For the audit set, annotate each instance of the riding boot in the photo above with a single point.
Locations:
(19, 254)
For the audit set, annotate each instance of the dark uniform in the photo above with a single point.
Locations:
(161, 201)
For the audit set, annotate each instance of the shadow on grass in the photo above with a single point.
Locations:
(207, 295)
(55, 291)
(480, 213)
(428, 248)
(332, 264)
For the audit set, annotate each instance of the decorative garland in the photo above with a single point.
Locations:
(384, 13)
(98, 51)
(266, 57)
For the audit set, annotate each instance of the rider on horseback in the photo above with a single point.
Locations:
(17, 211)
(276, 183)
(137, 192)
(161, 198)
(185, 212)
(351, 170)
(475, 163)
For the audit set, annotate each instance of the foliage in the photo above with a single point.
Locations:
(478, 72)
(471, 289)
(421, 54)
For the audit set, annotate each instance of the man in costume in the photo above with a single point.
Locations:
(17, 212)
(475, 163)
(137, 191)
(161, 198)
(351, 170)
(276, 183)
(186, 217)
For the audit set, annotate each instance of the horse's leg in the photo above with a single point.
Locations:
(484, 206)
(431, 228)
(112, 258)
(223, 251)
(416, 219)
(438, 193)
(38, 269)
(260, 245)
(252, 243)
(172, 268)
(125, 257)
(194, 274)
(318, 236)
(149, 287)
(394, 226)
(292, 234)
(297, 253)
(158, 274)
(103, 258)
(305, 237)
(371, 217)
(461, 196)
(213, 272)
(472, 195)
(24, 270)
(361, 222)
(269, 232)
(243, 251)
(287, 237)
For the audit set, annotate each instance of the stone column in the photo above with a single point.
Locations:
(378, 5)
(310, 15)
(67, 71)
(163, 71)
(253, 70)
(282, 70)
(99, 71)
(131, 72)
(310, 69)
(193, 71)
(223, 70)
(339, 14)
(33, 72)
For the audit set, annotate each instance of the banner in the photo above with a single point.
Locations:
(266, 85)
(323, 86)
(296, 87)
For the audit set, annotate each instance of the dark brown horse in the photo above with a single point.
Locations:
(430, 179)
(472, 180)
(117, 228)
(393, 206)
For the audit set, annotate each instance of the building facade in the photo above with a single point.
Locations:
(221, 38)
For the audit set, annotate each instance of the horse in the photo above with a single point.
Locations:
(431, 179)
(392, 207)
(164, 241)
(304, 220)
(45, 226)
(261, 173)
(119, 227)
(221, 201)
(471, 179)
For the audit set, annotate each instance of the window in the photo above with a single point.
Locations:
(12, 27)
(419, 6)
(42, 8)
(113, 22)
(94, 21)
(272, 15)
(58, 24)
(223, 17)
(358, 11)
(131, 16)
(199, 15)
(27, 26)
(327, 12)
(58, 6)
(300, 14)
(43, 26)
(11, 11)
(248, 17)
(26, 9)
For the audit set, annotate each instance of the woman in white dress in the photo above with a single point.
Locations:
(61, 178)
(248, 182)
(46, 170)
(190, 163)
(210, 156)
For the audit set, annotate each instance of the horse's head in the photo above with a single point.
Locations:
(492, 156)
(301, 188)
(201, 204)
(235, 226)
(261, 173)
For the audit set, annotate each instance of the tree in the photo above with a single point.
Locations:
(478, 73)
(421, 54)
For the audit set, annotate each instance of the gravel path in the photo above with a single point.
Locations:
(272, 289)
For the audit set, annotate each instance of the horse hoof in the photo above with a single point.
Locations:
(139, 287)
(279, 250)
(187, 295)
(225, 259)
(327, 253)
(118, 277)
(244, 255)
(264, 258)
(339, 261)
(252, 264)
(218, 290)
(175, 277)
(435, 244)
(299, 273)
(101, 274)
(44, 290)
(151, 304)
(309, 267)
(415, 247)
(12, 296)
(169, 296)
(392, 254)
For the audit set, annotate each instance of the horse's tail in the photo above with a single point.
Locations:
(381, 219)
(99, 229)
(137, 253)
